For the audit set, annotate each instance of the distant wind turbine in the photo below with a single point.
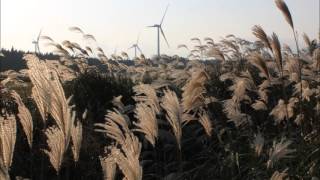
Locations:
(136, 47)
(115, 50)
(159, 29)
(36, 43)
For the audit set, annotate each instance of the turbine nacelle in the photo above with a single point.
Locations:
(155, 26)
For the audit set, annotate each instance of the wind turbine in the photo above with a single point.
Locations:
(159, 29)
(36, 43)
(136, 47)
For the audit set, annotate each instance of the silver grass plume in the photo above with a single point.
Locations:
(282, 6)
(240, 86)
(234, 113)
(147, 122)
(4, 174)
(89, 37)
(68, 45)
(182, 46)
(261, 35)
(115, 127)
(276, 50)
(100, 50)
(216, 53)
(258, 144)
(195, 39)
(307, 40)
(127, 157)
(116, 101)
(24, 116)
(46, 38)
(286, 48)
(279, 175)
(49, 90)
(147, 94)
(174, 115)
(53, 94)
(209, 39)
(76, 137)
(57, 146)
(259, 105)
(108, 164)
(230, 36)
(306, 91)
(128, 161)
(292, 66)
(38, 73)
(88, 49)
(193, 92)
(230, 44)
(76, 29)
(283, 111)
(257, 60)
(8, 133)
(316, 59)
(279, 151)
(206, 123)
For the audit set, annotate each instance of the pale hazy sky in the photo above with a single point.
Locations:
(116, 23)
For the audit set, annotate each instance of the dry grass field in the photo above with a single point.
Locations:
(234, 109)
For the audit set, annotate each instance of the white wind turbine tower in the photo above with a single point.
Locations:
(136, 47)
(36, 43)
(159, 29)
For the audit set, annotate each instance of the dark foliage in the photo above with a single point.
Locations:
(91, 91)
(13, 59)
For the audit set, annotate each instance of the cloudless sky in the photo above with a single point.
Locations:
(117, 23)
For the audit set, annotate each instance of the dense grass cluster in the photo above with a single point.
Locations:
(250, 112)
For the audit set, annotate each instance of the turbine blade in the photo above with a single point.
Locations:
(151, 26)
(164, 36)
(39, 35)
(139, 49)
(131, 47)
(164, 15)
